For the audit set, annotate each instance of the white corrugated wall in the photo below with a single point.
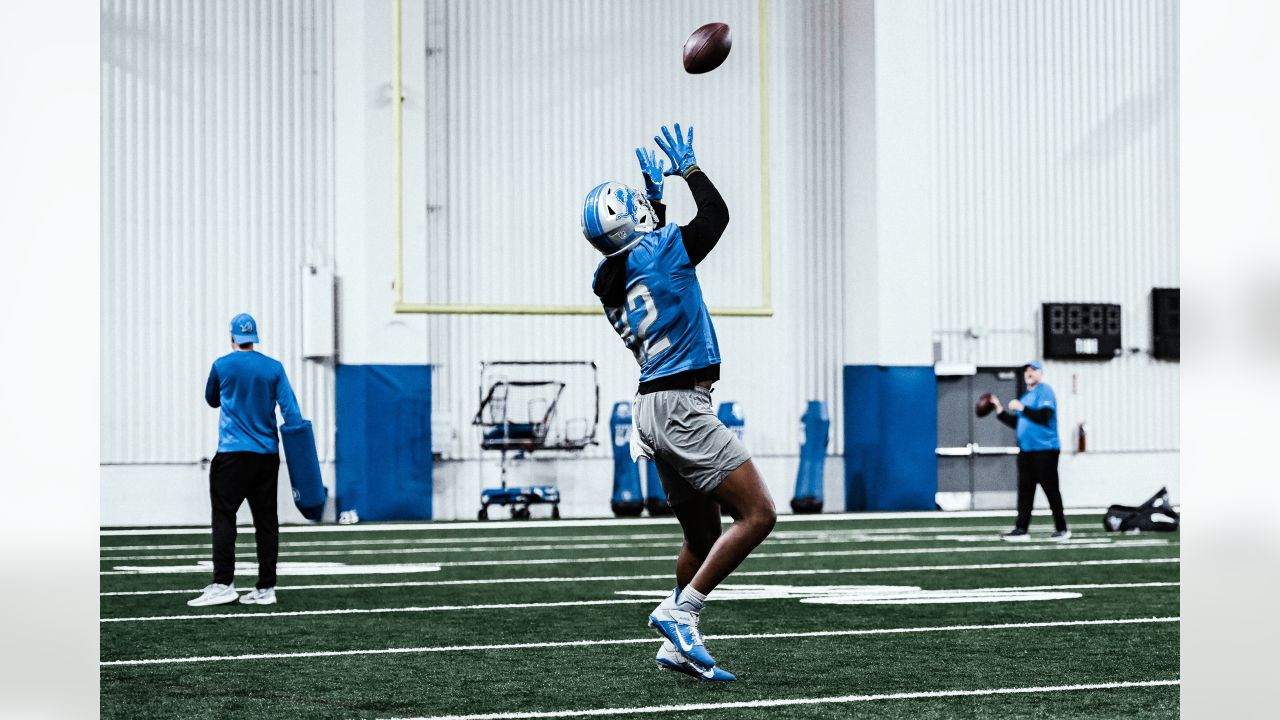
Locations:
(1059, 159)
(217, 188)
(522, 118)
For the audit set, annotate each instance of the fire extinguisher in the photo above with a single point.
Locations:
(1081, 433)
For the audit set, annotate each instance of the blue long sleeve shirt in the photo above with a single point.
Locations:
(1038, 434)
(248, 386)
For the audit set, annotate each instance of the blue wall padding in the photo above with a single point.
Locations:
(384, 441)
(813, 453)
(890, 437)
(627, 498)
(309, 492)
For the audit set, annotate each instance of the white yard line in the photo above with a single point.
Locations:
(670, 542)
(1008, 547)
(667, 576)
(785, 702)
(963, 530)
(629, 641)
(502, 525)
(561, 603)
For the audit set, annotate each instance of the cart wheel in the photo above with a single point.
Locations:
(520, 513)
(483, 514)
(555, 512)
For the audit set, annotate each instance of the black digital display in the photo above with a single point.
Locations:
(1081, 331)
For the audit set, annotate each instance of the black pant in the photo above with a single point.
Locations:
(1039, 467)
(233, 478)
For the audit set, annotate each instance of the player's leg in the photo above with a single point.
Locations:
(266, 523)
(677, 617)
(1048, 478)
(745, 492)
(1025, 491)
(699, 517)
(226, 493)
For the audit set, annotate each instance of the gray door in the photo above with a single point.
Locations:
(977, 463)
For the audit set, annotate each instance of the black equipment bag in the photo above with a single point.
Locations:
(1155, 514)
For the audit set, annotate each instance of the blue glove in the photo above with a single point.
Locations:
(679, 150)
(653, 174)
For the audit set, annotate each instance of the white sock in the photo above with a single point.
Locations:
(692, 598)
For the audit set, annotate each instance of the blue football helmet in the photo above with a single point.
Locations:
(615, 217)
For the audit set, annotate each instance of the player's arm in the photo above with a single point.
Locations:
(1003, 415)
(654, 171)
(703, 232)
(212, 393)
(287, 402)
(1040, 416)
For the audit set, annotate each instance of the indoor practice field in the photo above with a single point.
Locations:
(913, 615)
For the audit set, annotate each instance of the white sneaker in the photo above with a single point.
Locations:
(348, 517)
(1060, 535)
(669, 658)
(259, 596)
(678, 624)
(215, 594)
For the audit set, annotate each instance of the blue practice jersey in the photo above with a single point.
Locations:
(665, 322)
(1033, 435)
(247, 386)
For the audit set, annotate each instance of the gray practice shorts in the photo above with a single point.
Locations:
(691, 448)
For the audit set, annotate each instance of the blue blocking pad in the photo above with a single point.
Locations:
(627, 498)
(309, 493)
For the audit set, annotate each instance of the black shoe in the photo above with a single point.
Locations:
(1016, 535)
(1061, 535)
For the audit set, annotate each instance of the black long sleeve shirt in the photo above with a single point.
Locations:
(1040, 416)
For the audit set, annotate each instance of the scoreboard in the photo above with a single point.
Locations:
(1081, 331)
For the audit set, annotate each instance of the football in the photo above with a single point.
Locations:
(985, 405)
(707, 48)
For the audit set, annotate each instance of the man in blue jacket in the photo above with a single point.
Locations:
(247, 386)
(1034, 417)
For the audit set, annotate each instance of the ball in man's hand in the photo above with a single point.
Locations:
(985, 405)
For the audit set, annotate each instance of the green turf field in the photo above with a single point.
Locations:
(837, 617)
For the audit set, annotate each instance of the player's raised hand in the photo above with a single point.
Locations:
(653, 171)
(679, 149)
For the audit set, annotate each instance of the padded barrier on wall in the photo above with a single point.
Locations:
(384, 441)
(890, 437)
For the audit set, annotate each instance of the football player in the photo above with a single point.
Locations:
(649, 288)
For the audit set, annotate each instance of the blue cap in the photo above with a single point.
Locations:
(244, 329)
(1034, 364)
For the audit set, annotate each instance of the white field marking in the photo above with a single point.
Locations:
(979, 531)
(503, 525)
(1006, 547)
(823, 594)
(670, 542)
(667, 576)
(785, 702)
(630, 641)
(284, 568)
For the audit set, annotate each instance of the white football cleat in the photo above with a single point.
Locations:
(259, 596)
(215, 594)
(670, 659)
